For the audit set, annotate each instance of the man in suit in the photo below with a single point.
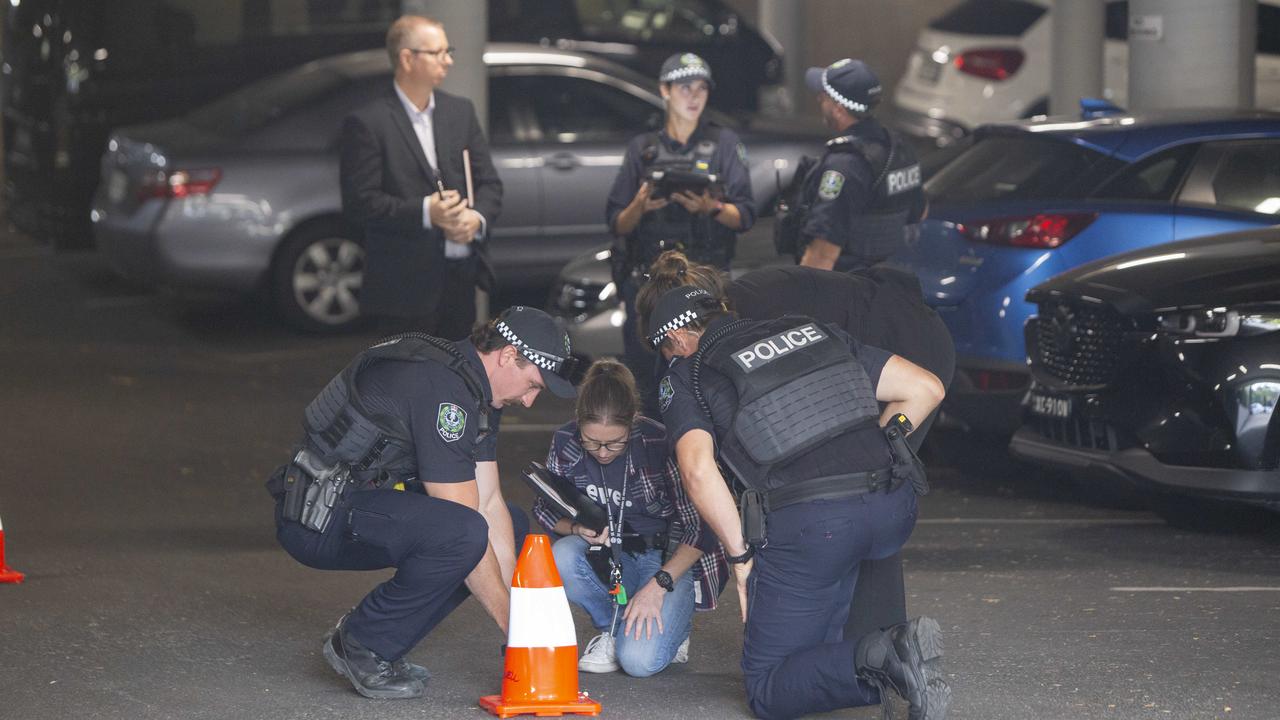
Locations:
(403, 183)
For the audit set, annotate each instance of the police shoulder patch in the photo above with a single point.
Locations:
(665, 393)
(742, 153)
(451, 422)
(830, 185)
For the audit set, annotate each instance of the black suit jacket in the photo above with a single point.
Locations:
(385, 175)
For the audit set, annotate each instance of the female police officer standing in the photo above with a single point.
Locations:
(790, 407)
(702, 223)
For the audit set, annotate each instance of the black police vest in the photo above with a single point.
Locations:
(798, 387)
(672, 227)
(877, 229)
(377, 446)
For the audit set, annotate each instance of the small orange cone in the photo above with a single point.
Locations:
(541, 673)
(13, 576)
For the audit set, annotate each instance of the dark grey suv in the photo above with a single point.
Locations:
(242, 194)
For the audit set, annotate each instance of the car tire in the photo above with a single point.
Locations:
(316, 279)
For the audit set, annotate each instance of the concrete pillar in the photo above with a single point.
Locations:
(1076, 54)
(785, 21)
(1192, 53)
(467, 25)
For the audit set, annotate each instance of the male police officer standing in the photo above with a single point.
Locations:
(413, 414)
(790, 407)
(703, 223)
(865, 189)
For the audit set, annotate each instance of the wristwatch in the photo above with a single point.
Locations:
(716, 210)
(739, 559)
(664, 580)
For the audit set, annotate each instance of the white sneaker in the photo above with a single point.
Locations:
(682, 652)
(600, 657)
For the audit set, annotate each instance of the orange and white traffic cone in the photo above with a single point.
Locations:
(541, 673)
(7, 575)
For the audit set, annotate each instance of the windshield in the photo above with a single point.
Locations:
(1015, 167)
(990, 17)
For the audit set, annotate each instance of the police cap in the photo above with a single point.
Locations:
(538, 337)
(685, 68)
(678, 307)
(850, 83)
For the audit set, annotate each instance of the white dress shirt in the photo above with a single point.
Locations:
(422, 122)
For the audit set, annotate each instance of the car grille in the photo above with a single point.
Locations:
(1076, 432)
(1078, 344)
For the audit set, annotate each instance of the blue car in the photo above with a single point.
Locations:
(1023, 202)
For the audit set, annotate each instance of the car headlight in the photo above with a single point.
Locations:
(1220, 322)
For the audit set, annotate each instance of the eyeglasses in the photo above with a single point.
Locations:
(437, 54)
(594, 445)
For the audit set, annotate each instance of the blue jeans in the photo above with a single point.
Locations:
(794, 660)
(640, 657)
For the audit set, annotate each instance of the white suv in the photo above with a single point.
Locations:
(988, 61)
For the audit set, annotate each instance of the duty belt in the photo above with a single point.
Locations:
(833, 487)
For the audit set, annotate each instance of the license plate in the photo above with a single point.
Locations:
(929, 71)
(1053, 406)
(117, 186)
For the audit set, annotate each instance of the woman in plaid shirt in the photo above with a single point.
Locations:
(621, 460)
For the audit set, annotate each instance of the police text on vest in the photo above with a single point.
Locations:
(773, 347)
(900, 180)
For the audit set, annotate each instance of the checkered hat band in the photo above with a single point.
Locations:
(674, 323)
(687, 71)
(546, 361)
(846, 102)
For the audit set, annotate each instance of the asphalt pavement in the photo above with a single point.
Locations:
(137, 432)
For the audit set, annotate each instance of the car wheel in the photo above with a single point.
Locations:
(317, 278)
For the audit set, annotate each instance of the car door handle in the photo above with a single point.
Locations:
(564, 161)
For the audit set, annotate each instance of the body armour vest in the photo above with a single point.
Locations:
(672, 227)
(379, 447)
(798, 387)
(878, 228)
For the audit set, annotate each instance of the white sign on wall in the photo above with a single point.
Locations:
(1146, 27)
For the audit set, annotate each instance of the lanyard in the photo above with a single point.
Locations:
(618, 592)
(615, 529)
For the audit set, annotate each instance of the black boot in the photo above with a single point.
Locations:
(402, 666)
(908, 658)
(372, 676)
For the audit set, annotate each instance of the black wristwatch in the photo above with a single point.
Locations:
(664, 580)
(739, 559)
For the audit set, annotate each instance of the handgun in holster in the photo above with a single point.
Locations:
(326, 485)
(906, 464)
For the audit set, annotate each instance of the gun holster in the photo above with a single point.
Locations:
(906, 464)
(753, 510)
(316, 490)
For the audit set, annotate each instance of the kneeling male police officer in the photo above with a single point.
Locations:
(789, 406)
(398, 468)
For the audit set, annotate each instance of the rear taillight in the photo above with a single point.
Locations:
(992, 63)
(1043, 230)
(179, 183)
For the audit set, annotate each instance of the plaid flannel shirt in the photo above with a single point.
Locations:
(656, 479)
